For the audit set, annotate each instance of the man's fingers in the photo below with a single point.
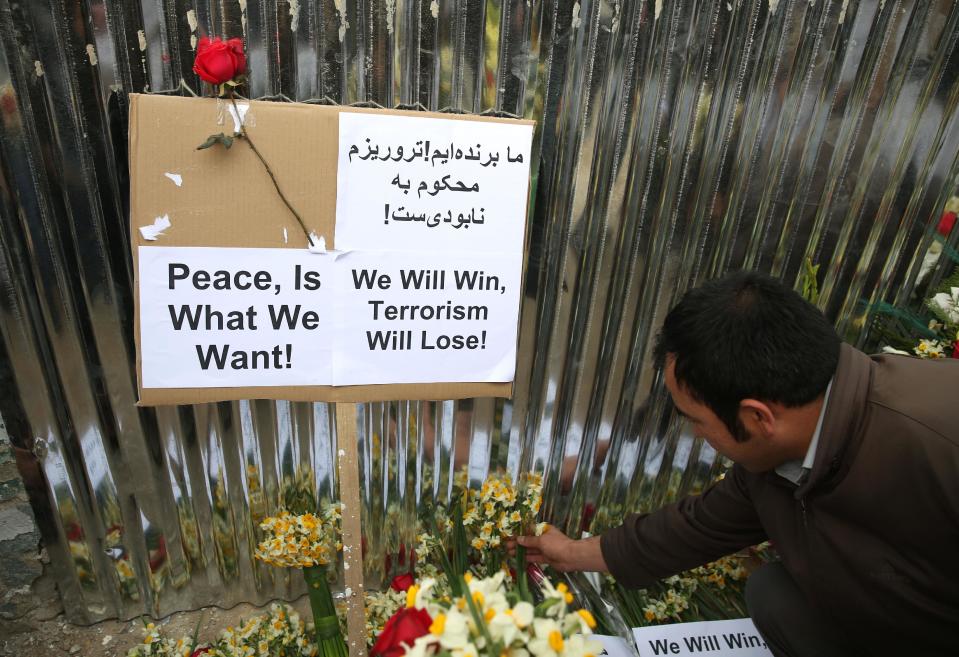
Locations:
(528, 541)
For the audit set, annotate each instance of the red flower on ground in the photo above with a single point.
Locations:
(402, 582)
(219, 61)
(199, 652)
(402, 629)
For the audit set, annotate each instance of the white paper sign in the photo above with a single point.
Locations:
(424, 286)
(426, 184)
(727, 638)
(426, 317)
(231, 317)
(212, 317)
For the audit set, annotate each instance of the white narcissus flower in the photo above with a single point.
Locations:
(523, 614)
(548, 638)
(489, 588)
(502, 627)
(580, 621)
(422, 647)
(456, 631)
(579, 646)
(559, 592)
(423, 593)
(929, 349)
(948, 304)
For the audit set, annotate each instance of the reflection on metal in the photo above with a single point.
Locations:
(676, 140)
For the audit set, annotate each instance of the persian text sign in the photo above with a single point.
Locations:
(731, 638)
(407, 183)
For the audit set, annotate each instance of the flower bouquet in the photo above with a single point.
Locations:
(935, 335)
(309, 541)
(488, 619)
(280, 632)
(497, 511)
(712, 592)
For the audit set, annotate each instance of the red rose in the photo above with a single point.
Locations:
(199, 652)
(402, 582)
(403, 628)
(955, 349)
(219, 61)
(946, 222)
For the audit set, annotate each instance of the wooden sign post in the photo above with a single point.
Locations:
(348, 467)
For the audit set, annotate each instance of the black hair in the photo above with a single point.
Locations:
(748, 336)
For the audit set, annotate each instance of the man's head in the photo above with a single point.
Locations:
(747, 360)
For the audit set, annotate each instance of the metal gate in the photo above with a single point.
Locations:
(676, 139)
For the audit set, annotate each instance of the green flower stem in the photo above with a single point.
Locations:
(493, 647)
(522, 579)
(328, 637)
(276, 184)
(452, 576)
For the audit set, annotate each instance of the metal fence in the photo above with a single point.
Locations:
(676, 139)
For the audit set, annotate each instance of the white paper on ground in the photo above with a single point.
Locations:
(466, 191)
(726, 638)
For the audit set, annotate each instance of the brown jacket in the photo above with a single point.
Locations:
(871, 536)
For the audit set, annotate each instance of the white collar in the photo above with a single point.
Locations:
(796, 470)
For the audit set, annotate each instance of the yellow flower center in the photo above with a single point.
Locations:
(587, 618)
(411, 596)
(468, 577)
(556, 641)
(478, 598)
(489, 614)
(438, 625)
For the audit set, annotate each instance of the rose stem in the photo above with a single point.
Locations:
(266, 166)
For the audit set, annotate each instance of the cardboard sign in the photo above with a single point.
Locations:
(729, 638)
(416, 299)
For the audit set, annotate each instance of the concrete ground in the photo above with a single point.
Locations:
(57, 638)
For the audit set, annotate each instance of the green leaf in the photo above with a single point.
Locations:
(213, 140)
(460, 542)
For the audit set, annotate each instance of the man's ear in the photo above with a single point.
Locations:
(757, 417)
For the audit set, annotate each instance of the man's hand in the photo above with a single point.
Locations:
(556, 549)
